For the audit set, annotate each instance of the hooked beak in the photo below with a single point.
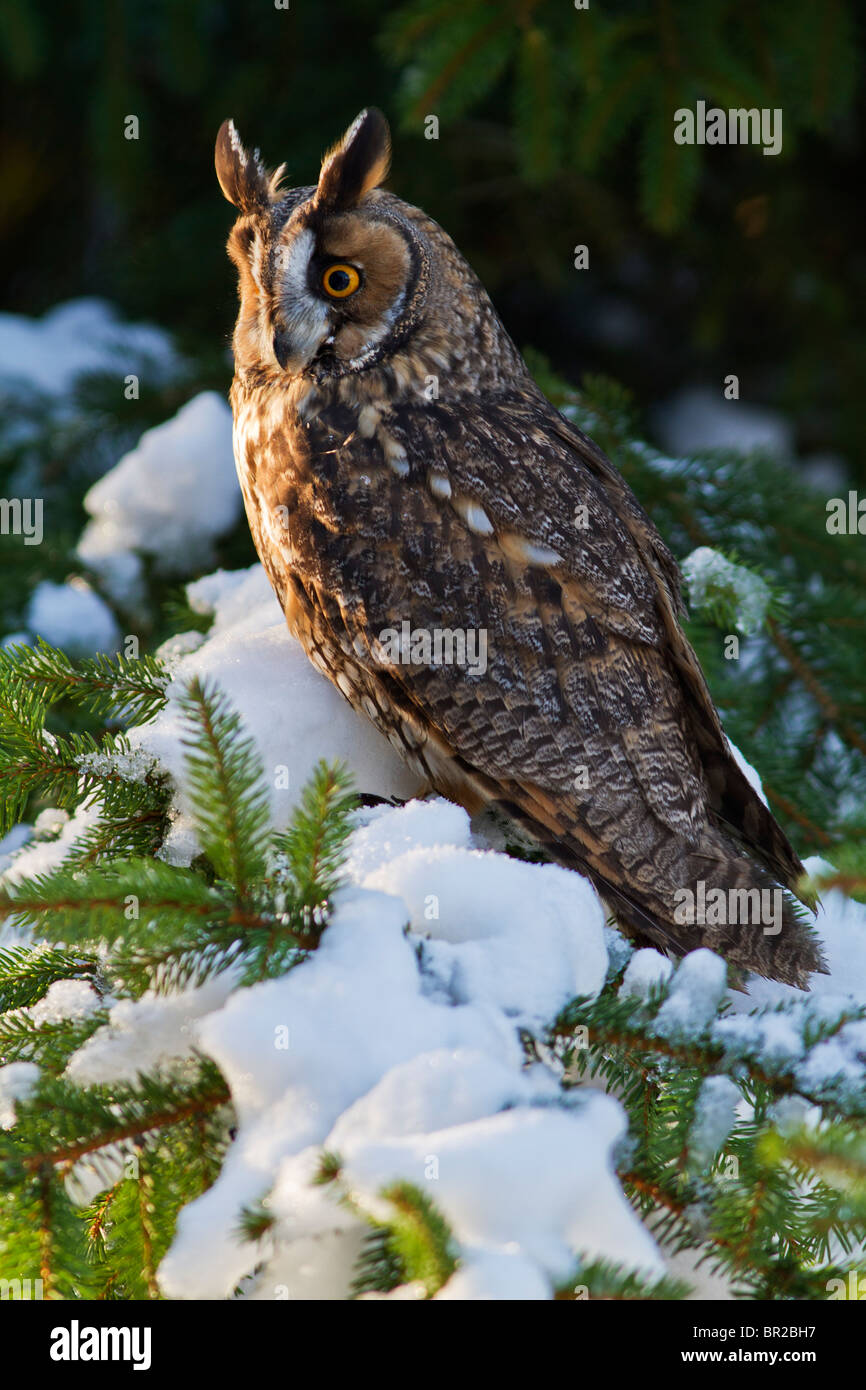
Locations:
(283, 350)
(295, 353)
(295, 345)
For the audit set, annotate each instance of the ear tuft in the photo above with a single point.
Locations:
(242, 176)
(357, 163)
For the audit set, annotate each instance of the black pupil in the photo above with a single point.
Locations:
(338, 279)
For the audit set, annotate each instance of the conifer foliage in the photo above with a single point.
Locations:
(745, 1139)
(579, 90)
(253, 903)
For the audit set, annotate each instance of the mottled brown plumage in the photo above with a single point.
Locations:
(399, 464)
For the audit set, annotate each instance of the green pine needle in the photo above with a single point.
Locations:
(226, 788)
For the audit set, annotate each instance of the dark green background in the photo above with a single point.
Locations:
(556, 129)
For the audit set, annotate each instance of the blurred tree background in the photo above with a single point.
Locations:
(555, 129)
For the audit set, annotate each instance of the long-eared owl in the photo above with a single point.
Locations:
(471, 571)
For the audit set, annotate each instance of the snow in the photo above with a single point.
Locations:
(408, 1065)
(73, 617)
(65, 999)
(11, 843)
(35, 857)
(169, 498)
(769, 1022)
(292, 712)
(495, 1274)
(714, 1117)
(773, 1036)
(436, 1089)
(619, 950)
(647, 970)
(17, 1080)
(696, 991)
(144, 1035)
(709, 574)
(82, 335)
(751, 776)
(836, 1065)
(476, 909)
(136, 766)
(791, 1113)
(420, 825)
(532, 1180)
(177, 646)
(41, 856)
(701, 418)
(49, 823)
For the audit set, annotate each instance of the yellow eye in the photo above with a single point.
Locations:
(340, 280)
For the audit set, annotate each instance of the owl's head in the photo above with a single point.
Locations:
(332, 277)
(343, 280)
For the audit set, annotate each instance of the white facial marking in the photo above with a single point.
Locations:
(303, 318)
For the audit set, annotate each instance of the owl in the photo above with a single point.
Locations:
(471, 571)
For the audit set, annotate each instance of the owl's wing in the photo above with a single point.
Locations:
(580, 705)
(732, 799)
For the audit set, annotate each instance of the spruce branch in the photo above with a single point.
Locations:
(314, 844)
(620, 1035)
(50, 1043)
(129, 687)
(107, 902)
(414, 1246)
(63, 1124)
(420, 1237)
(378, 1268)
(26, 974)
(226, 789)
(836, 1153)
(606, 1281)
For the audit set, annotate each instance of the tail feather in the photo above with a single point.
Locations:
(740, 879)
(745, 914)
(715, 896)
(735, 806)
